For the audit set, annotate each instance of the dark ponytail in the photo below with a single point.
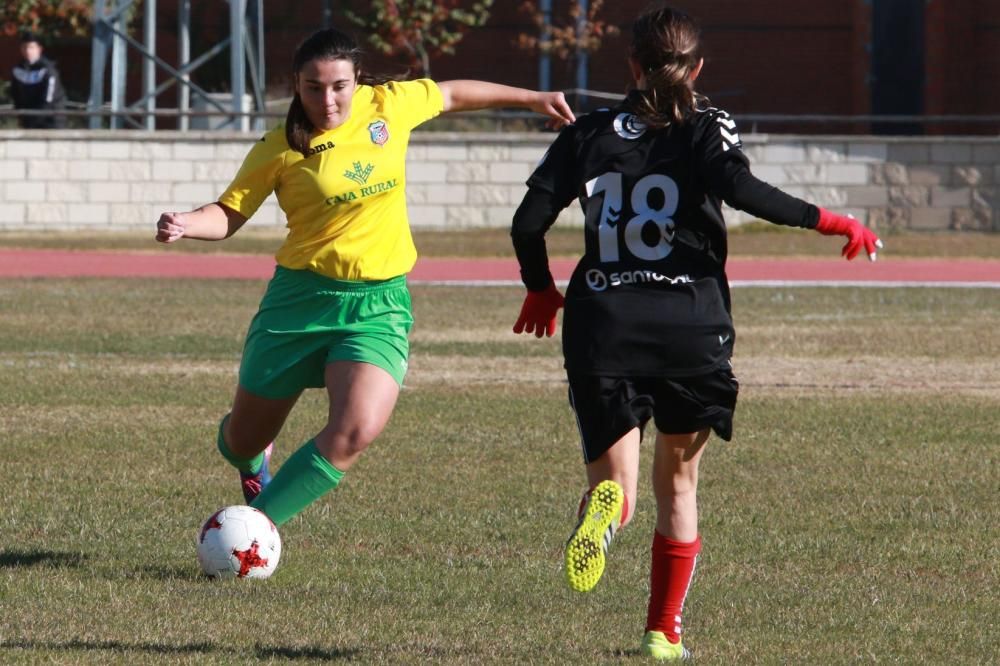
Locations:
(328, 44)
(665, 44)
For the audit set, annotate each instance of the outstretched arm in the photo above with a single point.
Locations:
(469, 95)
(744, 191)
(727, 172)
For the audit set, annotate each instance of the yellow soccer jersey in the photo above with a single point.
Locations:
(345, 201)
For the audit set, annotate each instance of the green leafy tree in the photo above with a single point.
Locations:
(567, 34)
(419, 29)
(47, 18)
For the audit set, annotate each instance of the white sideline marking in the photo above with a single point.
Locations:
(883, 284)
(471, 283)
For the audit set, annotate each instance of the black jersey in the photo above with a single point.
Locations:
(650, 296)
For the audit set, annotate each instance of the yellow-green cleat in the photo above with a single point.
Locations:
(656, 645)
(587, 546)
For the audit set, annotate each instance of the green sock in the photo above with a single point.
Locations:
(303, 478)
(251, 464)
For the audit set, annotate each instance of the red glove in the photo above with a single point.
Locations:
(858, 235)
(538, 313)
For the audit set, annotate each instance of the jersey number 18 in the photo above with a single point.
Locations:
(610, 183)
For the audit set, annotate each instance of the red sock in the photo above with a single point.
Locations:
(586, 496)
(669, 579)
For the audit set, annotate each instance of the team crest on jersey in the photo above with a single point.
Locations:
(379, 132)
(628, 126)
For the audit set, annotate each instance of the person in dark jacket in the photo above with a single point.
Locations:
(35, 84)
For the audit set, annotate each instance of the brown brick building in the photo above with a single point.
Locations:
(839, 57)
(821, 57)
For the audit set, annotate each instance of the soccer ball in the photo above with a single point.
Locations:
(238, 542)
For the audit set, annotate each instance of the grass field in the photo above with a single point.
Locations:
(758, 239)
(852, 519)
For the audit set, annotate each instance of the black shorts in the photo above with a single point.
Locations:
(609, 407)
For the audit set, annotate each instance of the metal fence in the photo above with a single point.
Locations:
(79, 116)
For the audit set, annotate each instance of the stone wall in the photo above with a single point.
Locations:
(122, 180)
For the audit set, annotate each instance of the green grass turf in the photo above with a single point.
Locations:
(755, 239)
(852, 519)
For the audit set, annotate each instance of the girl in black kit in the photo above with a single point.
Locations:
(647, 332)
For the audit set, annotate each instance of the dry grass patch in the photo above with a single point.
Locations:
(106, 363)
(429, 371)
(781, 375)
(887, 338)
(29, 420)
(465, 335)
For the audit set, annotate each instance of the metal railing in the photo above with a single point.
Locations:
(78, 116)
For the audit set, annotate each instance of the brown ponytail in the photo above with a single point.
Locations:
(298, 128)
(665, 44)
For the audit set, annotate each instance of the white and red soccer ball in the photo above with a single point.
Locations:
(238, 542)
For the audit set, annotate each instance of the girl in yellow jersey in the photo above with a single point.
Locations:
(337, 311)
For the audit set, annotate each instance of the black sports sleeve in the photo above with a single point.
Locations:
(725, 169)
(537, 212)
(551, 188)
(742, 190)
(556, 172)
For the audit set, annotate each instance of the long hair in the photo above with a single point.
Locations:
(328, 44)
(665, 44)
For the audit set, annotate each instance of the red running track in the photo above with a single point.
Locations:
(15, 263)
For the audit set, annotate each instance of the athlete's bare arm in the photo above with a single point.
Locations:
(210, 222)
(469, 95)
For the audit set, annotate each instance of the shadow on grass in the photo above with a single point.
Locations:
(623, 653)
(306, 653)
(113, 646)
(163, 572)
(260, 652)
(19, 559)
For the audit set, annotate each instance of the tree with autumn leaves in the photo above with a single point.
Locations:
(564, 37)
(419, 30)
(414, 30)
(46, 18)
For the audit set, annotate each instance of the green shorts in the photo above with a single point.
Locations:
(307, 320)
